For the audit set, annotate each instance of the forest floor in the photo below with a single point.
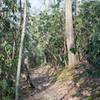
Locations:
(80, 82)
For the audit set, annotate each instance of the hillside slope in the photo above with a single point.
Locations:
(80, 82)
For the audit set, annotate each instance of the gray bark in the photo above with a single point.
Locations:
(72, 60)
(20, 53)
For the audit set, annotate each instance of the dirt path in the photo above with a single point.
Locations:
(79, 87)
(42, 78)
(57, 91)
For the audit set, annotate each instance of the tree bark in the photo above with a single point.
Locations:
(65, 51)
(20, 53)
(72, 60)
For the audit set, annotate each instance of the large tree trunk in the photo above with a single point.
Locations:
(72, 60)
(20, 53)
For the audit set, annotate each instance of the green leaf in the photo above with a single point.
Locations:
(73, 50)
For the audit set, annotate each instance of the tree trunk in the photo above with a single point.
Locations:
(65, 51)
(72, 60)
(14, 47)
(20, 54)
(29, 79)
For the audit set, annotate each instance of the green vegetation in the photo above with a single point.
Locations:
(87, 25)
(46, 42)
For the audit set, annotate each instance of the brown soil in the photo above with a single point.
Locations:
(72, 83)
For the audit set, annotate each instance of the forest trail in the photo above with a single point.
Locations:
(65, 88)
(45, 89)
